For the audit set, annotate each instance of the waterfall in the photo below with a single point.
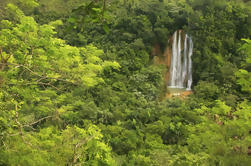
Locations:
(190, 79)
(178, 78)
(184, 67)
(173, 61)
(181, 63)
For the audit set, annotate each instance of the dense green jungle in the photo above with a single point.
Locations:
(79, 85)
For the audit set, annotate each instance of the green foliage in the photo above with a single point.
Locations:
(50, 147)
(218, 26)
(207, 91)
(244, 80)
(222, 137)
(38, 72)
(244, 76)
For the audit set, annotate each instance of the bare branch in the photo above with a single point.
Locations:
(33, 123)
(20, 126)
(42, 77)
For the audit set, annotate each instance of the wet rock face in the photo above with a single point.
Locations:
(163, 58)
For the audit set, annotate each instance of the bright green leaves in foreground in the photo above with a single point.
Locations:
(49, 146)
(31, 50)
(37, 74)
(244, 75)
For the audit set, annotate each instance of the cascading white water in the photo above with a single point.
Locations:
(174, 61)
(178, 78)
(190, 78)
(184, 67)
(181, 64)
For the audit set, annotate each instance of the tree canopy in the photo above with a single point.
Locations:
(79, 85)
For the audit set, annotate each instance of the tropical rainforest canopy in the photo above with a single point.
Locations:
(79, 85)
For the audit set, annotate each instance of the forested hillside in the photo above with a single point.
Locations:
(80, 86)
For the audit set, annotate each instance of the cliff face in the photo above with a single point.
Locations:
(163, 58)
